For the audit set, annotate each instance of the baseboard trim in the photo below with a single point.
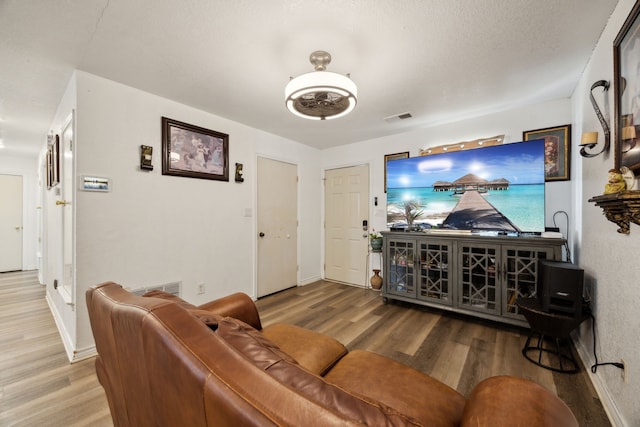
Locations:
(84, 353)
(608, 403)
(64, 334)
(309, 280)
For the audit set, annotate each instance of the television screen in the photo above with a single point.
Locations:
(498, 188)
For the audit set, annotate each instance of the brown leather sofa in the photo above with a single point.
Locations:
(165, 362)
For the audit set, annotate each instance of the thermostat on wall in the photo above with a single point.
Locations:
(95, 183)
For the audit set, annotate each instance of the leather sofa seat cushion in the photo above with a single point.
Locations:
(314, 351)
(266, 355)
(409, 391)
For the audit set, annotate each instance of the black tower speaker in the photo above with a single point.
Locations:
(560, 286)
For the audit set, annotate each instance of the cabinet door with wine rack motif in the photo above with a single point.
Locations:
(520, 275)
(435, 278)
(401, 268)
(478, 276)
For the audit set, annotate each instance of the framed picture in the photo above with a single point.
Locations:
(626, 64)
(49, 168)
(557, 151)
(388, 157)
(55, 161)
(194, 152)
(95, 183)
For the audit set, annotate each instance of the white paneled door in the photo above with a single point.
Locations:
(277, 226)
(346, 238)
(10, 223)
(66, 182)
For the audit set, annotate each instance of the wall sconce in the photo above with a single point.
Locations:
(590, 141)
(628, 137)
(239, 173)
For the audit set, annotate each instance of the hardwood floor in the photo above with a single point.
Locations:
(38, 386)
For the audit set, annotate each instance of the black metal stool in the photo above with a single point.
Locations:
(556, 328)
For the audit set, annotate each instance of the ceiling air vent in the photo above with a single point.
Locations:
(397, 117)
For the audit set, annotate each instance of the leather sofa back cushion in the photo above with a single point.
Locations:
(205, 316)
(170, 297)
(251, 343)
(266, 355)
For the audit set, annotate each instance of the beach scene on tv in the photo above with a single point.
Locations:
(499, 188)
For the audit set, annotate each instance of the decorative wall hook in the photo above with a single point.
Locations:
(603, 122)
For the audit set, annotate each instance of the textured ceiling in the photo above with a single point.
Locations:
(440, 60)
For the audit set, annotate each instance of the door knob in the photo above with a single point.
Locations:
(261, 234)
(62, 202)
(18, 228)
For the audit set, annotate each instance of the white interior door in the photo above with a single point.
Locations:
(10, 223)
(277, 226)
(346, 239)
(66, 185)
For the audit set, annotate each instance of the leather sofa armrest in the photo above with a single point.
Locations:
(513, 401)
(239, 306)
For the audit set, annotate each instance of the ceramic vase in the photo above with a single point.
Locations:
(376, 280)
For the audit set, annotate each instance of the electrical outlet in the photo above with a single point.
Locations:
(200, 288)
(624, 370)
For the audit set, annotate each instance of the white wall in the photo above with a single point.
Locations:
(27, 167)
(152, 229)
(610, 259)
(510, 123)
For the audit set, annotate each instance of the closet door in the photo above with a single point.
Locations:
(277, 226)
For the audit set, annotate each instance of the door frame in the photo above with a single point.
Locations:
(326, 168)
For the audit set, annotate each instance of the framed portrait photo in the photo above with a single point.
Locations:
(557, 151)
(194, 152)
(626, 66)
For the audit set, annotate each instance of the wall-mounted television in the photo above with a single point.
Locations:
(498, 189)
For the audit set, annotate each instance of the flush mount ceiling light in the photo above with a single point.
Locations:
(321, 95)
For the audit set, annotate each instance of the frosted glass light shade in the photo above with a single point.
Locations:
(321, 95)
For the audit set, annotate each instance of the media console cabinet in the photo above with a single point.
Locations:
(479, 275)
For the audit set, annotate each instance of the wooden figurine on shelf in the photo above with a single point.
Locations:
(615, 183)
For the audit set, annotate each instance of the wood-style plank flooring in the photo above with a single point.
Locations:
(458, 350)
(38, 386)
